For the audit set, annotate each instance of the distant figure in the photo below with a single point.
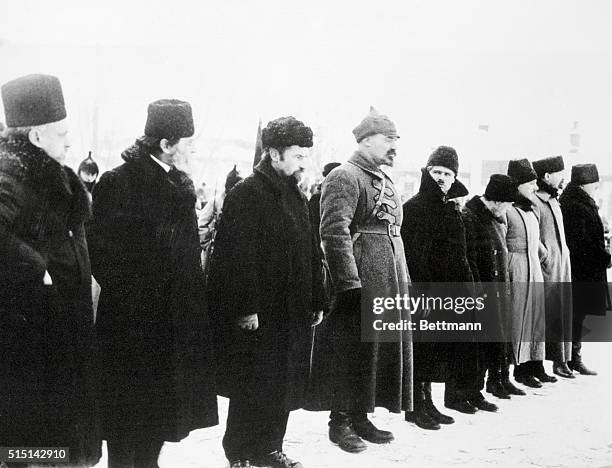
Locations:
(208, 217)
(88, 173)
(314, 204)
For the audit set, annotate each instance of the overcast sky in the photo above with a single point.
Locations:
(527, 69)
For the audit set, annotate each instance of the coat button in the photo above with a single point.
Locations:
(70, 234)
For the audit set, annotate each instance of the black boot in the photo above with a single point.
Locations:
(523, 374)
(576, 363)
(508, 385)
(478, 400)
(539, 373)
(341, 432)
(431, 409)
(580, 368)
(276, 459)
(422, 419)
(346, 438)
(561, 369)
(497, 389)
(368, 431)
(419, 416)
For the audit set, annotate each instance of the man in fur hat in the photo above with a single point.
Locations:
(589, 256)
(265, 295)
(484, 220)
(525, 272)
(156, 364)
(555, 260)
(434, 236)
(46, 317)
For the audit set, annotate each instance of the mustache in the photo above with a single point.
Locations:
(391, 152)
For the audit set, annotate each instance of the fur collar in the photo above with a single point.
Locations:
(480, 209)
(431, 190)
(523, 203)
(279, 183)
(50, 179)
(575, 192)
(139, 159)
(547, 189)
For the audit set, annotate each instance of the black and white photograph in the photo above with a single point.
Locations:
(305, 234)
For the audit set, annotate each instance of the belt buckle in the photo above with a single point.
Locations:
(392, 230)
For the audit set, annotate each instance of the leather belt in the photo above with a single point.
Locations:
(391, 230)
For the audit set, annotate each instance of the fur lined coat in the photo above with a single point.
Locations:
(156, 363)
(265, 262)
(46, 332)
(589, 257)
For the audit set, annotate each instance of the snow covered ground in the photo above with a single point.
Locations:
(564, 424)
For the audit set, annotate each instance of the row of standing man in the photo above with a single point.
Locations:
(165, 342)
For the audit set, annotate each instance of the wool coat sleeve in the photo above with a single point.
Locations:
(472, 245)
(339, 200)
(240, 238)
(19, 258)
(417, 242)
(581, 241)
(122, 241)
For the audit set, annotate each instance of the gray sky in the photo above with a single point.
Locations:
(528, 69)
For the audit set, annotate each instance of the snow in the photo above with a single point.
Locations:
(563, 424)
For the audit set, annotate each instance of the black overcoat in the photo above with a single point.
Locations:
(265, 262)
(47, 392)
(589, 259)
(156, 360)
(487, 255)
(435, 245)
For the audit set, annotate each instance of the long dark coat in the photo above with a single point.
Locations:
(46, 341)
(434, 239)
(348, 373)
(488, 258)
(585, 238)
(156, 365)
(265, 262)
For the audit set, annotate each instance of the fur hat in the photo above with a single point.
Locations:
(548, 165)
(284, 132)
(33, 100)
(584, 174)
(521, 171)
(500, 188)
(169, 118)
(445, 156)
